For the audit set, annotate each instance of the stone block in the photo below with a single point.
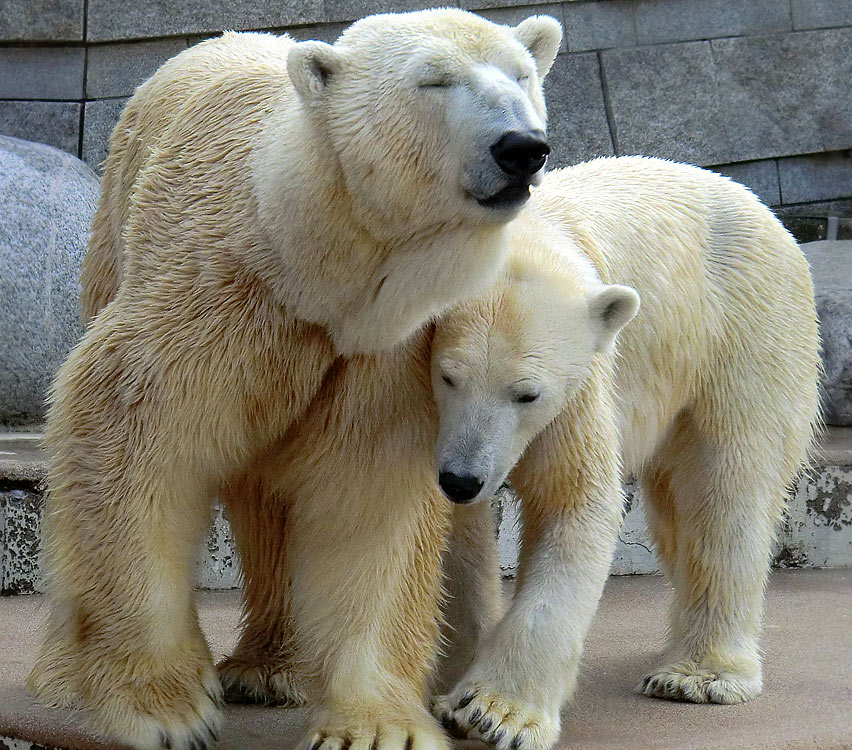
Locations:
(352, 10)
(41, 72)
(577, 124)
(663, 101)
(831, 267)
(98, 123)
(20, 542)
(785, 94)
(599, 25)
(820, 208)
(481, 4)
(816, 177)
(117, 69)
(54, 123)
(805, 229)
(662, 21)
(326, 32)
(40, 255)
(153, 18)
(41, 20)
(819, 14)
(761, 177)
(513, 16)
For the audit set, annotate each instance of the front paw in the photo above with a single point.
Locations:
(476, 711)
(374, 729)
(696, 683)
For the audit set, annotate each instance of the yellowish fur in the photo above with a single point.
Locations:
(249, 234)
(714, 391)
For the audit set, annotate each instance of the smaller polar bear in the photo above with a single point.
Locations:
(712, 398)
(268, 206)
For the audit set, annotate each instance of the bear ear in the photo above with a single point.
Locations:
(541, 35)
(609, 311)
(310, 66)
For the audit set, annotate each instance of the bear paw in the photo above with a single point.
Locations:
(150, 715)
(335, 732)
(689, 681)
(245, 681)
(473, 711)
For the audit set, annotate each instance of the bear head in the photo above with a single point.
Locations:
(433, 116)
(506, 364)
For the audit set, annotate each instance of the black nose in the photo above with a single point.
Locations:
(521, 153)
(460, 489)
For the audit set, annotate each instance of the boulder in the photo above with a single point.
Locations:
(47, 199)
(831, 266)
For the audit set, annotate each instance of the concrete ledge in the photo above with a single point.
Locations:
(805, 703)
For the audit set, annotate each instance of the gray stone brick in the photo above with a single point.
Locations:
(41, 72)
(599, 25)
(352, 10)
(660, 21)
(98, 122)
(41, 20)
(513, 16)
(326, 32)
(151, 18)
(577, 124)
(54, 123)
(785, 94)
(818, 208)
(761, 177)
(664, 102)
(817, 177)
(819, 14)
(481, 4)
(117, 69)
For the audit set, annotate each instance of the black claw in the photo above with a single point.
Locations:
(409, 743)
(198, 744)
(517, 743)
(475, 716)
(486, 725)
(452, 726)
(165, 743)
(317, 743)
(498, 737)
(465, 700)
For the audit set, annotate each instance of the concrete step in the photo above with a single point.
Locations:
(817, 531)
(805, 704)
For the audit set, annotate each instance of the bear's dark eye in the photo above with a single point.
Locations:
(527, 398)
(448, 380)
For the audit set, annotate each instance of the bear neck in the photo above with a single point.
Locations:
(370, 287)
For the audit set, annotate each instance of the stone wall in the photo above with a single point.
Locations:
(759, 89)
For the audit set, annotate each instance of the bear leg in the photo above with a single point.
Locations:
(713, 517)
(473, 601)
(262, 668)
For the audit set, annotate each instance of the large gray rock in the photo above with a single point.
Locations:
(47, 199)
(831, 265)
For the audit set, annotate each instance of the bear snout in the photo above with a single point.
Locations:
(521, 153)
(460, 488)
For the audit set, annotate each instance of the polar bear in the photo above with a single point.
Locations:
(711, 401)
(268, 207)
(702, 401)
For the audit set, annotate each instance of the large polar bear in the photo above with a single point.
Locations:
(713, 400)
(268, 206)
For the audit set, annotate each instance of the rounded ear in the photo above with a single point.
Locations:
(541, 35)
(609, 311)
(310, 66)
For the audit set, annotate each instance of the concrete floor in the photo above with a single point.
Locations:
(807, 700)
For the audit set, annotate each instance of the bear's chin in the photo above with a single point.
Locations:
(513, 196)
